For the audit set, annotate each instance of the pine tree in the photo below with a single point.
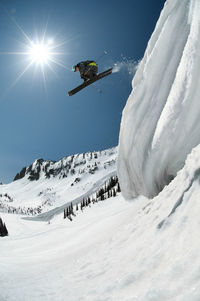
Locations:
(112, 182)
(106, 188)
(3, 229)
(70, 209)
(118, 188)
(69, 213)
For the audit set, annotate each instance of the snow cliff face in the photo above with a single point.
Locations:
(160, 123)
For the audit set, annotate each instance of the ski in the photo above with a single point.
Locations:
(90, 81)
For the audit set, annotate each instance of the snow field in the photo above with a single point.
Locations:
(116, 250)
(56, 190)
(143, 250)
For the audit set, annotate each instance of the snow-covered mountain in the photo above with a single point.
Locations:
(144, 250)
(45, 185)
(160, 123)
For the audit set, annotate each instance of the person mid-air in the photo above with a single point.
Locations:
(88, 69)
(89, 73)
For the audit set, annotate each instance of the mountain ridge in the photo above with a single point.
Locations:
(62, 167)
(46, 184)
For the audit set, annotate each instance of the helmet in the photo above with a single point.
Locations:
(74, 68)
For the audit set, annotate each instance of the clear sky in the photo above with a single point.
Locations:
(37, 117)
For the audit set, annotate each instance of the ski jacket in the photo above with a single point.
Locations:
(87, 65)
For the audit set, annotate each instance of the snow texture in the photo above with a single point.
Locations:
(160, 123)
(147, 250)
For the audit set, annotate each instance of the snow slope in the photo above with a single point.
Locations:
(147, 250)
(160, 123)
(46, 185)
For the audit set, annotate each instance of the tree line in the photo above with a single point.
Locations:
(20, 210)
(110, 189)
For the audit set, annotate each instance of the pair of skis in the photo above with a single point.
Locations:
(90, 81)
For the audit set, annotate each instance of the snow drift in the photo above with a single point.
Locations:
(160, 123)
(146, 250)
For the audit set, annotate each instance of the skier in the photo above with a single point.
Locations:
(88, 69)
(88, 72)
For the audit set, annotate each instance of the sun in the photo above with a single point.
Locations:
(40, 53)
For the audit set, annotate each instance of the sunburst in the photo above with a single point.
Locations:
(41, 51)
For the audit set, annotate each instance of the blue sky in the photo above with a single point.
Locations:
(37, 117)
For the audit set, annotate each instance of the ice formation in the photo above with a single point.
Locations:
(160, 123)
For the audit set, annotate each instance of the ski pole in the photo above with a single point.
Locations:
(105, 52)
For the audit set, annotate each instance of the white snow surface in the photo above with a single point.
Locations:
(160, 123)
(146, 250)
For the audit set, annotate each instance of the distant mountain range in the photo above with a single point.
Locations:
(46, 184)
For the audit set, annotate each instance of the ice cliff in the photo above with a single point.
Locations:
(160, 122)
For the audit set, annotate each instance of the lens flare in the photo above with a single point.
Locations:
(40, 53)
